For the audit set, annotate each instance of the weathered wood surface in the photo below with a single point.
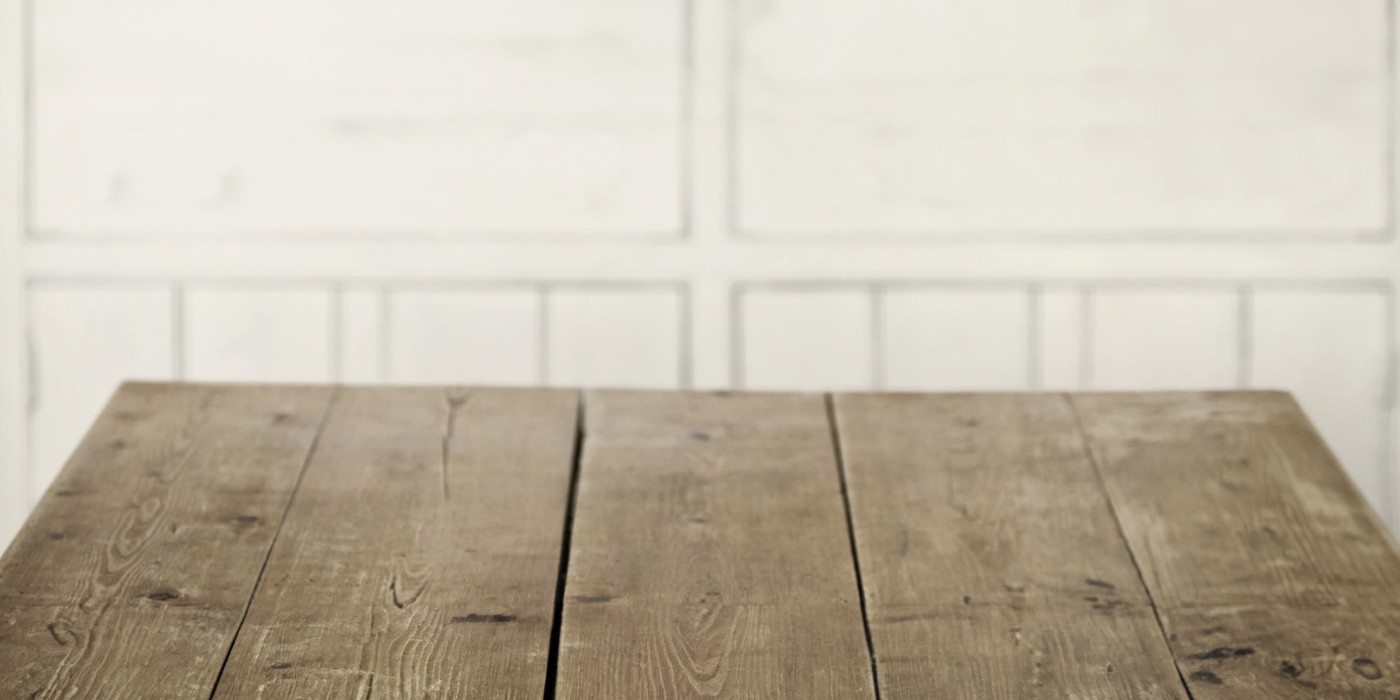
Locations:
(277, 542)
(710, 556)
(1272, 576)
(131, 576)
(421, 555)
(991, 562)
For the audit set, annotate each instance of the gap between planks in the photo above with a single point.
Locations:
(556, 627)
(267, 556)
(851, 535)
(1123, 535)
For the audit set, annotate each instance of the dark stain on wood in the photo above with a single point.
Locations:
(483, 617)
(1222, 653)
(1366, 668)
(1206, 677)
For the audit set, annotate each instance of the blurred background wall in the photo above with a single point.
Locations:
(814, 194)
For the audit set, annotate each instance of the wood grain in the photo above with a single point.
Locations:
(1272, 575)
(991, 562)
(131, 576)
(421, 554)
(710, 556)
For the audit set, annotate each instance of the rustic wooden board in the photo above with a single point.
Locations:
(991, 562)
(131, 576)
(1272, 575)
(710, 556)
(421, 554)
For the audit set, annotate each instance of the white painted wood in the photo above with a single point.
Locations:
(383, 117)
(1061, 336)
(87, 340)
(360, 357)
(615, 337)
(1164, 338)
(257, 334)
(1132, 117)
(1137, 157)
(464, 336)
(955, 339)
(806, 339)
(14, 339)
(1331, 349)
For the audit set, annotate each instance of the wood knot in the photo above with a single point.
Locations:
(1366, 668)
(163, 595)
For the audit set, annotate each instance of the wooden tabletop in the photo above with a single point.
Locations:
(317, 542)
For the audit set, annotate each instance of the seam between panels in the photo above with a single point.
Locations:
(556, 629)
(851, 537)
(1123, 536)
(276, 535)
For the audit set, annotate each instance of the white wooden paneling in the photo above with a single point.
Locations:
(360, 358)
(806, 339)
(376, 117)
(443, 145)
(1061, 336)
(1165, 339)
(87, 340)
(955, 339)
(1137, 116)
(257, 334)
(614, 337)
(464, 336)
(1331, 348)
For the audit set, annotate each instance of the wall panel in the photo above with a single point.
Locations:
(372, 118)
(464, 336)
(1144, 116)
(257, 334)
(1165, 339)
(615, 337)
(806, 339)
(87, 339)
(955, 339)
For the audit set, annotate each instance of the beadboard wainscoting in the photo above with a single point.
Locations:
(941, 195)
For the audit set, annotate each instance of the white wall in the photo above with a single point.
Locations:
(941, 194)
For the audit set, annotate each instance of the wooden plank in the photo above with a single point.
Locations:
(131, 576)
(422, 553)
(991, 563)
(709, 554)
(1272, 575)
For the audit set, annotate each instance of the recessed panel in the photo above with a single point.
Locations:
(464, 336)
(1154, 339)
(261, 334)
(86, 340)
(806, 339)
(372, 118)
(615, 337)
(1158, 117)
(963, 339)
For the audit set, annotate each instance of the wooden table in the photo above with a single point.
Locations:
(317, 542)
